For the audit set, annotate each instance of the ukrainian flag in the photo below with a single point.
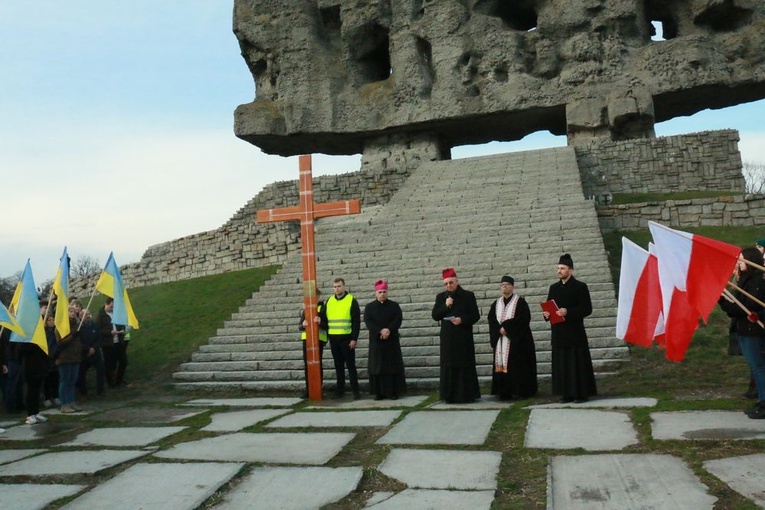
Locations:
(61, 289)
(26, 305)
(110, 284)
(8, 321)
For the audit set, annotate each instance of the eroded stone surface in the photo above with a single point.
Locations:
(170, 486)
(472, 72)
(622, 482)
(579, 428)
(295, 448)
(292, 488)
(745, 475)
(706, 425)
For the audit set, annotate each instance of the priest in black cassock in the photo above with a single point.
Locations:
(456, 310)
(515, 358)
(572, 374)
(386, 364)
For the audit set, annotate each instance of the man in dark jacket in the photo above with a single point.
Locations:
(456, 310)
(572, 374)
(90, 336)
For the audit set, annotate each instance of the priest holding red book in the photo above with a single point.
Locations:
(572, 374)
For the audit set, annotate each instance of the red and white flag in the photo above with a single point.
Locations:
(639, 315)
(693, 271)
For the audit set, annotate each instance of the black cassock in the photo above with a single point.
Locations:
(459, 379)
(572, 373)
(520, 380)
(386, 364)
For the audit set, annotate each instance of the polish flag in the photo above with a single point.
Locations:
(693, 271)
(638, 317)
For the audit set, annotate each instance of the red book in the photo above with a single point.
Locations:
(551, 307)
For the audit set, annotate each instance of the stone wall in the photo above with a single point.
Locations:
(730, 211)
(699, 161)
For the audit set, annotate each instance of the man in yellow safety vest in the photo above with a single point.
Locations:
(341, 317)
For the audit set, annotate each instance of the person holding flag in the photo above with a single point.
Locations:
(112, 320)
(31, 345)
(745, 306)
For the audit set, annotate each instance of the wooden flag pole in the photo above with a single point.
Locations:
(82, 319)
(746, 294)
(733, 299)
(753, 264)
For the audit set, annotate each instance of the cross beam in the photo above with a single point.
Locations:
(306, 212)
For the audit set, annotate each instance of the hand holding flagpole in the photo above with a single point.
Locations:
(732, 298)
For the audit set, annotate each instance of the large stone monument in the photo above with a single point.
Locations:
(350, 76)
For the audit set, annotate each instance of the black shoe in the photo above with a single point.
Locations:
(339, 394)
(757, 412)
(580, 400)
(304, 394)
(356, 395)
(566, 400)
(379, 397)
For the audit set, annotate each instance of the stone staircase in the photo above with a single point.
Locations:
(508, 214)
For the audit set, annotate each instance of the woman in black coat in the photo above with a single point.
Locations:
(751, 335)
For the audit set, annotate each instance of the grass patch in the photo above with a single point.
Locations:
(632, 198)
(177, 317)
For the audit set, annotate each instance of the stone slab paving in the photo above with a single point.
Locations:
(442, 427)
(234, 421)
(244, 402)
(29, 496)
(706, 425)
(69, 463)
(148, 415)
(7, 456)
(579, 428)
(337, 419)
(407, 401)
(170, 486)
(25, 432)
(123, 436)
(443, 469)
(488, 402)
(292, 488)
(600, 403)
(745, 475)
(624, 482)
(418, 499)
(314, 448)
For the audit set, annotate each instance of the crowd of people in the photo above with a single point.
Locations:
(36, 380)
(514, 373)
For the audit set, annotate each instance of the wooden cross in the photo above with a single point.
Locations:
(306, 212)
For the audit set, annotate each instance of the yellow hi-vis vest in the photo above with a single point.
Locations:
(339, 315)
(322, 333)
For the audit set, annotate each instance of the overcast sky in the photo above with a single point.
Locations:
(116, 128)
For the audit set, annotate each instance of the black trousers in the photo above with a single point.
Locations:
(344, 356)
(115, 359)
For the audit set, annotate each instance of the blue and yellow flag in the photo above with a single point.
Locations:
(8, 321)
(61, 289)
(26, 306)
(110, 284)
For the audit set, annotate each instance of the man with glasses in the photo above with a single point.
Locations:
(456, 310)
